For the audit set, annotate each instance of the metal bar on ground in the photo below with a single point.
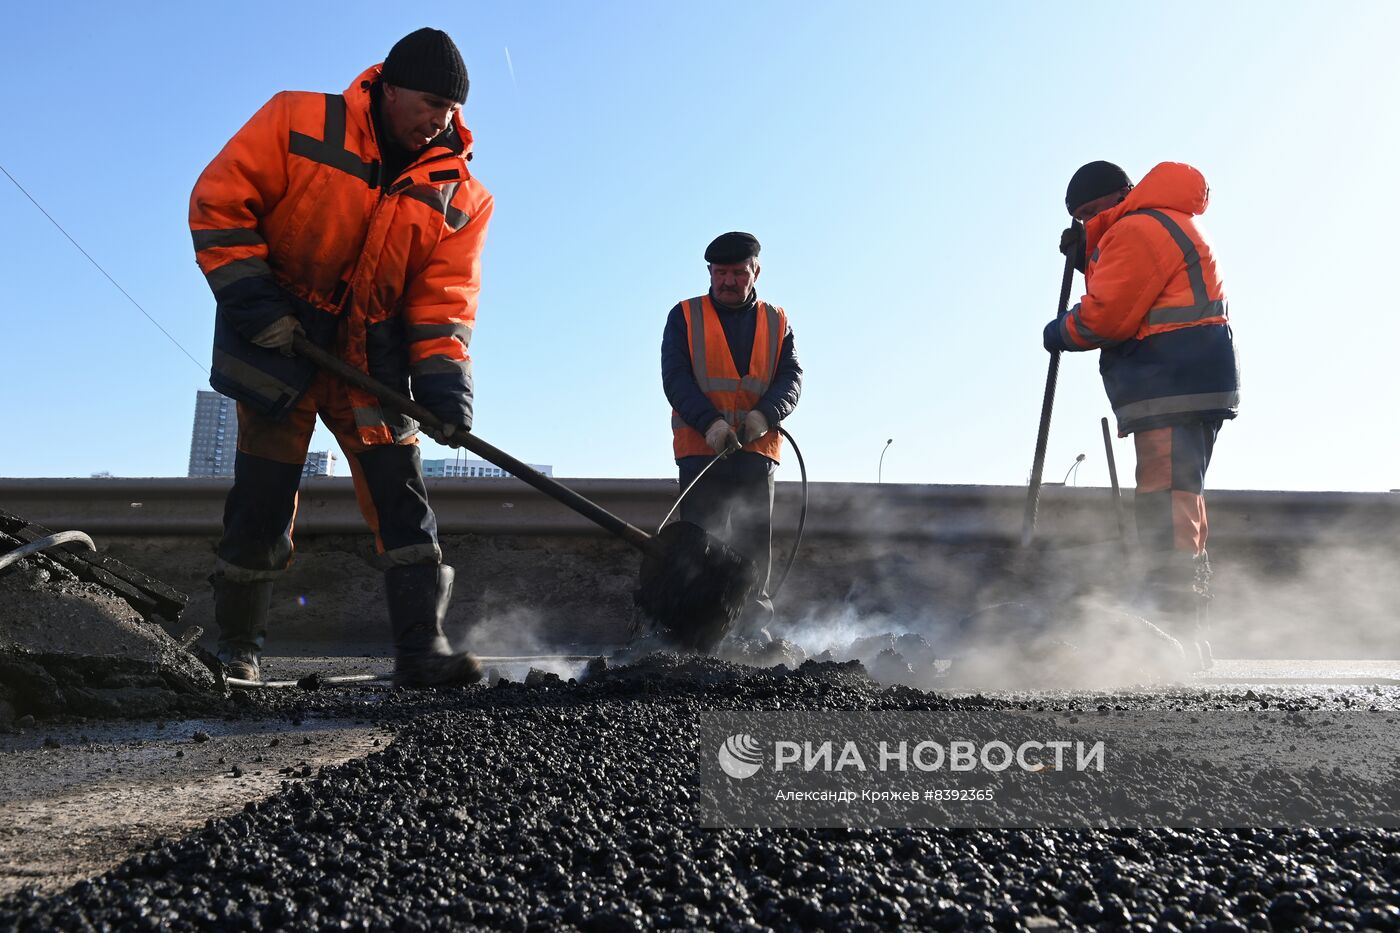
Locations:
(523, 658)
(331, 679)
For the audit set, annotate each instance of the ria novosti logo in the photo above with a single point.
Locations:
(740, 757)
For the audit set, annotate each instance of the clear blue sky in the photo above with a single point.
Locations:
(904, 165)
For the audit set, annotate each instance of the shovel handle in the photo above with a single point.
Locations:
(633, 535)
(1042, 438)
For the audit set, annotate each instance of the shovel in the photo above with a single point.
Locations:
(693, 586)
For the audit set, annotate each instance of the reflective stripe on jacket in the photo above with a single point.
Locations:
(713, 364)
(1156, 306)
(293, 217)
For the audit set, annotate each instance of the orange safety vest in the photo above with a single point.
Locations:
(718, 377)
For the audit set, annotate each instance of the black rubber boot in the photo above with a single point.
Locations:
(240, 611)
(1169, 599)
(418, 596)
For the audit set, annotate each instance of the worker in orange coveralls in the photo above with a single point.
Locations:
(350, 218)
(1155, 308)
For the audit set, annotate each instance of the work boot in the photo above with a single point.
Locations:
(418, 595)
(240, 611)
(1169, 598)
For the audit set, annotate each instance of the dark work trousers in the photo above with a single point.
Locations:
(734, 502)
(261, 507)
(1170, 502)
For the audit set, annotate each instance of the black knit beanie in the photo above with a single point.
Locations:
(427, 60)
(1094, 181)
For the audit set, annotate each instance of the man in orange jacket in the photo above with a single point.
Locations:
(730, 372)
(1155, 308)
(352, 219)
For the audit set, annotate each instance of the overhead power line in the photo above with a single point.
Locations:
(200, 366)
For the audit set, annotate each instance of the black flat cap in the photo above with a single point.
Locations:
(732, 247)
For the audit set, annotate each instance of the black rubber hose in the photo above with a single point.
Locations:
(801, 516)
(41, 544)
(686, 491)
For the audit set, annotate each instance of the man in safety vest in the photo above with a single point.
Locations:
(1155, 307)
(352, 219)
(731, 374)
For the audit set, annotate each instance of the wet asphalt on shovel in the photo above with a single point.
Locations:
(692, 585)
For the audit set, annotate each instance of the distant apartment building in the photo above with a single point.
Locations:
(319, 463)
(473, 468)
(214, 440)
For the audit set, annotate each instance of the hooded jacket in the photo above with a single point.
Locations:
(295, 216)
(1155, 305)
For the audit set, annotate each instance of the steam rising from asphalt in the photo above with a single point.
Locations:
(1065, 615)
(1060, 615)
(515, 632)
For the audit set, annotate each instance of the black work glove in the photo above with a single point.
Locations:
(1072, 244)
(1053, 338)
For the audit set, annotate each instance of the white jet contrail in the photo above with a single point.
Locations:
(510, 67)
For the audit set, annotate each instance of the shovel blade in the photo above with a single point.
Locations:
(693, 586)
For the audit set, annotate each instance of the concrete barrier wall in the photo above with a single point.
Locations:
(1298, 574)
(840, 510)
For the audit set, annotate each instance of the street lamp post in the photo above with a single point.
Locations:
(1072, 467)
(880, 470)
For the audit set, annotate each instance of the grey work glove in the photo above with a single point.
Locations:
(721, 437)
(446, 435)
(755, 426)
(278, 335)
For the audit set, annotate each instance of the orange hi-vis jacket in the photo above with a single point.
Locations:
(293, 217)
(1156, 306)
(718, 377)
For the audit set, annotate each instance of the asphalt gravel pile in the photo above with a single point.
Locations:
(567, 805)
(77, 648)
